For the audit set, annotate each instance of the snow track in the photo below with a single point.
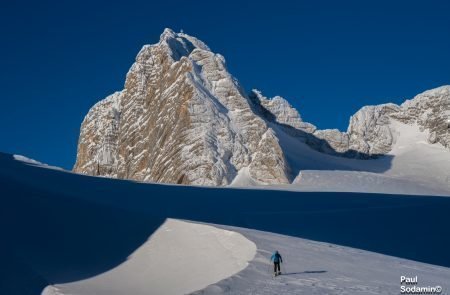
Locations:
(320, 268)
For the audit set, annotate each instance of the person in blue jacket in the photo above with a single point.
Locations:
(276, 258)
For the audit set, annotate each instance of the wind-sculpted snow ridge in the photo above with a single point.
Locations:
(183, 118)
(194, 255)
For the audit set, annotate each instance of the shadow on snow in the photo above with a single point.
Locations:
(66, 227)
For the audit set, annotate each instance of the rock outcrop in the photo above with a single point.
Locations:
(370, 132)
(282, 111)
(183, 118)
(431, 111)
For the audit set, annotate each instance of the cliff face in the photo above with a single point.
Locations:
(370, 130)
(182, 118)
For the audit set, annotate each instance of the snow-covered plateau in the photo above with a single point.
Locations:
(65, 233)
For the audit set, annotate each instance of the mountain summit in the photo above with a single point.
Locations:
(183, 118)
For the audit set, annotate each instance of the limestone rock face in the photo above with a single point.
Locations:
(183, 118)
(98, 143)
(431, 111)
(282, 111)
(370, 132)
(334, 141)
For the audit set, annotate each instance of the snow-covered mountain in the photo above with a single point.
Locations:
(183, 118)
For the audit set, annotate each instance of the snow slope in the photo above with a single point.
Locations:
(359, 181)
(195, 254)
(414, 158)
(74, 234)
(412, 167)
(320, 268)
(415, 167)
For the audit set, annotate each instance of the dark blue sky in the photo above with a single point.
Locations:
(327, 58)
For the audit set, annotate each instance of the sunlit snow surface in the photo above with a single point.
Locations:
(178, 258)
(309, 267)
(34, 162)
(413, 167)
(320, 268)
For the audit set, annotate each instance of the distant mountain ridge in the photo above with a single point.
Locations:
(183, 118)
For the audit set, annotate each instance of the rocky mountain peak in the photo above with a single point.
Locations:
(183, 118)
